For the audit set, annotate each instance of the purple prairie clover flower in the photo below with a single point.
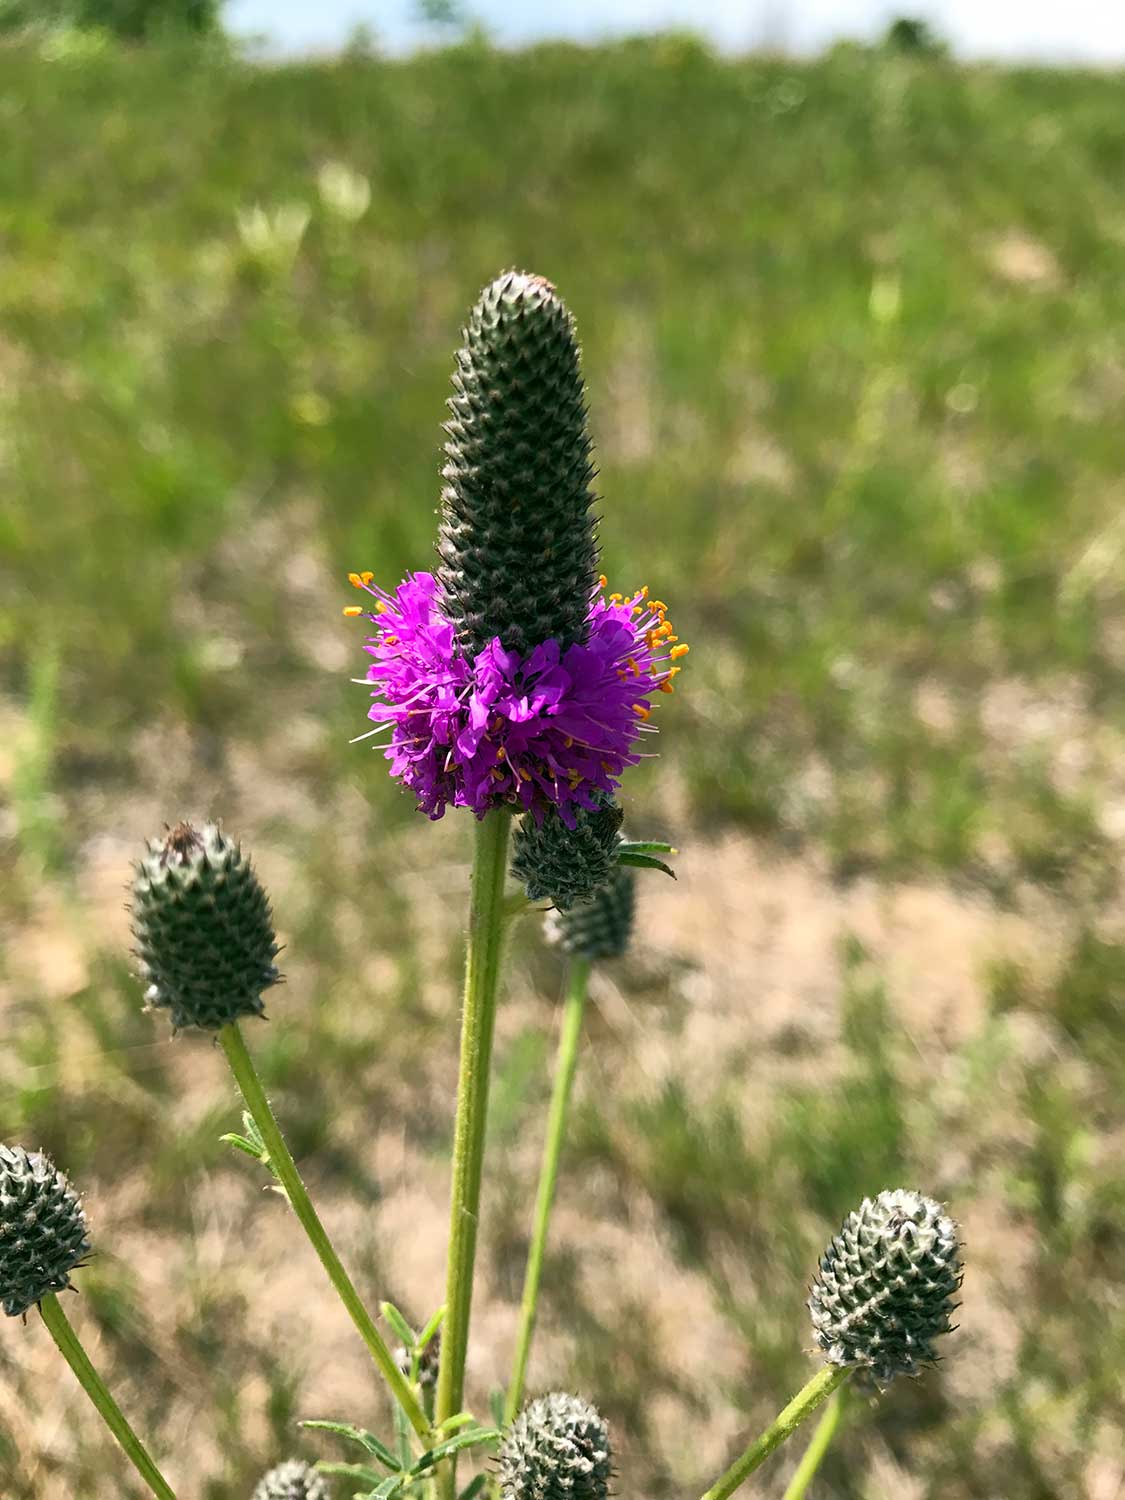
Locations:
(546, 728)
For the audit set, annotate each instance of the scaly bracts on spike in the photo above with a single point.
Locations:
(557, 1449)
(42, 1229)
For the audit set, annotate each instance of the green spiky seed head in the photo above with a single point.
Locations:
(292, 1480)
(600, 928)
(556, 1449)
(564, 865)
(516, 542)
(885, 1287)
(42, 1229)
(203, 930)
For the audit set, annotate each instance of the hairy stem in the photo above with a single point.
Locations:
(482, 974)
(819, 1388)
(823, 1434)
(70, 1347)
(281, 1163)
(565, 1067)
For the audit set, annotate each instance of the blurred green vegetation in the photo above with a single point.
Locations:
(851, 331)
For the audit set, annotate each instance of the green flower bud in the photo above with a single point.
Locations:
(884, 1291)
(556, 1449)
(600, 928)
(204, 934)
(42, 1229)
(292, 1480)
(566, 865)
(517, 545)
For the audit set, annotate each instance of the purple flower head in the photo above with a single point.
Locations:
(547, 728)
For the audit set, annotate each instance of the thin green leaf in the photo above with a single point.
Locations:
(645, 846)
(402, 1437)
(459, 1419)
(398, 1323)
(352, 1471)
(496, 1404)
(468, 1439)
(367, 1440)
(240, 1143)
(474, 1487)
(645, 862)
(431, 1328)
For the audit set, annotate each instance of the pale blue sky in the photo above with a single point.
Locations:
(1075, 30)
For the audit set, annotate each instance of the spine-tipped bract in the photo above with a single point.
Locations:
(556, 1449)
(517, 545)
(292, 1480)
(42, 1229)
(204, 934)
(562, 865)
(600, 928)
(885, 1286)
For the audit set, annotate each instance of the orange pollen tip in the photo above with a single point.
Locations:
(352, 610)
(679, 651)
(638, 610)
(633, 665)
(608, 769)
(500, 752)
(496, 775)
(568, 740)
(615, 598)
(390, 640)
(641, 711)
(603, 581)
(666, 687)
(355, 580)
(574, 777)
(523, 775)
(659, 604)
(380, 607)
(365, 578)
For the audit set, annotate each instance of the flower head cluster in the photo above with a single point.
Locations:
(546, 728)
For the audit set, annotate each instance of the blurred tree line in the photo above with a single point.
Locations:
(135, 20)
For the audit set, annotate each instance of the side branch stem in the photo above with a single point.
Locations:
(70, 1347)
(281, 1163)
(819, 1388)
(565, 1068)
(478, 1016)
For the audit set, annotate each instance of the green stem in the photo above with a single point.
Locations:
(281, 1163)
(70, 1347)
(482, 974)
(821, 1386)
(565, 1068)
(825, 1431)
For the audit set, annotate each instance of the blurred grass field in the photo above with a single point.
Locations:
(852, 332)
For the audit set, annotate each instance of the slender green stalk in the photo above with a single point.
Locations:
(282, 1164)
(70, 1347)
(822, 1436)
(565, 1068)
(482, 974)
(806, 1401)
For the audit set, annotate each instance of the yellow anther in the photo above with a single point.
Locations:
(355, 580)
(641, 711)
(666, 687)
(365, 578)
(351, 610)
(496, 775)
(523, 775)
(679, 651)
(574, 777)
(603, 581)
(568, 740)
(615, 598)
(381, 607)
(390, 640)
(608, 769)
(633, 664)
(500, 752)
(644, 592)
(658, 604)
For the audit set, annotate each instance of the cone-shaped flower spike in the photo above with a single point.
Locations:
(562, 865)
(885, 1287)
(42, 1229)
(203, 929)
(556, 1449)
(600, 928)
(292, 1480)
